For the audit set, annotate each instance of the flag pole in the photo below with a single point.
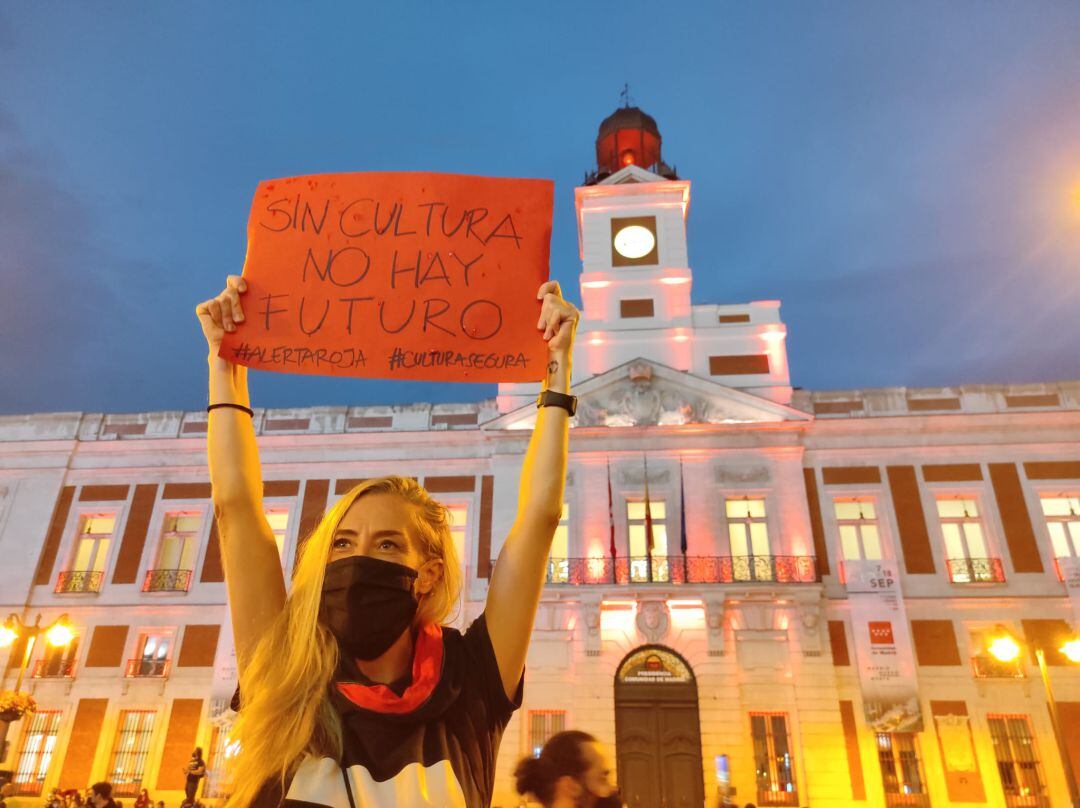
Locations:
(682, 522)
(648, 520)
(611, 524)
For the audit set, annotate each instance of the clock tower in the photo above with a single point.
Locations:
(636, 278)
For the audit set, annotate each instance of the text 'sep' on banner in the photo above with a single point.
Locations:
(396, 275)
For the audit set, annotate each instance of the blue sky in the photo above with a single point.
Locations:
(902, 176)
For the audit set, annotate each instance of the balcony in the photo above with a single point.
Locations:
(985, 666)
(146, 669)
(975, 570)
(167, 581)
(1014, 800)
(681, 570)
(79, 581)
(53, 669)
(898, 800)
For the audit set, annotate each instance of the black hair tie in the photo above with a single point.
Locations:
(240, 407)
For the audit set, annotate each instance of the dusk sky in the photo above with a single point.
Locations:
(904, 177)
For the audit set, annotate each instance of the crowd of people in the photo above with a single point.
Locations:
(100, 795)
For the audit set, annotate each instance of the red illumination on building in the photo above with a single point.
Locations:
(628, 137)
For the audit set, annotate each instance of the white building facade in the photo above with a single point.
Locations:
(808, 624)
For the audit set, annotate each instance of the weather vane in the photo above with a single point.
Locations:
(624, 94)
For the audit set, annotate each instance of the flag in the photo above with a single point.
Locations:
(649, 538)
(611, 513)
(682, 509)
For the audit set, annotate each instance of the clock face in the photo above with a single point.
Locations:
(634, 241)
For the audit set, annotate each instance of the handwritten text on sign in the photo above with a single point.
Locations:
(396, 275)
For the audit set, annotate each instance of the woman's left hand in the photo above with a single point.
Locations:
(558, 318)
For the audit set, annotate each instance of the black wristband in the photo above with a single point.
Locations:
(240, 407)
(550, 398)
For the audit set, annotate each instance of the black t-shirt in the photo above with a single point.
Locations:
(434, 743)
(192, 777)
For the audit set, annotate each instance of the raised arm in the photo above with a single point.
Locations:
(253, 576)
(516, 583)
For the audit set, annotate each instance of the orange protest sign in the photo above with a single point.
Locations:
(396, 275)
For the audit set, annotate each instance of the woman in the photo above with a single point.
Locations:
(353, 693)
(143, 800)
(572, 771)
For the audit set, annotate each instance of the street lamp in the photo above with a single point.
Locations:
(58, 633)
(1004, 647)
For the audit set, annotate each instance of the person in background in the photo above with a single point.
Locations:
(195, 770)
(614, 801)
(143, 800)
(101, 796)
(572, 771)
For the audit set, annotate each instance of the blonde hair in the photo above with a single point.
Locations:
(285, 714)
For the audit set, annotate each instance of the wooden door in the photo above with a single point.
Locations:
(658, 747)
(637, 748)
(680, 755)
(658, 731)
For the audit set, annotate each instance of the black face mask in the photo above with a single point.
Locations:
(367, 603)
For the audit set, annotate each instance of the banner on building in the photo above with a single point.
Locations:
(1070, 574)
(226, 676)
(883, 648)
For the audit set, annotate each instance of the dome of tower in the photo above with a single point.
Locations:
(628, 136)
(628, 118)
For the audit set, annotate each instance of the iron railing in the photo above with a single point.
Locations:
(146, 668)
(1026, 800)
(777, 797)
(53, 669)
(167, 581)
(72, 581)
(976, 570)
(897, 800)
(681, 570)
(35, 752)
(985, 666)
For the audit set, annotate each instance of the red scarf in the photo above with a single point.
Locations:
(426, 671)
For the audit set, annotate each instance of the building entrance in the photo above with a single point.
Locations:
(658, 731)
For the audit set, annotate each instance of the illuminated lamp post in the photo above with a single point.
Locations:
(1005, 648)
(13, 704)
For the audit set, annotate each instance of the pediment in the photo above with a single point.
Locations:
(631, 174)
(646, 393)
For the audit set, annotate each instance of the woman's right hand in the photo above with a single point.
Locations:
(220, 314)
